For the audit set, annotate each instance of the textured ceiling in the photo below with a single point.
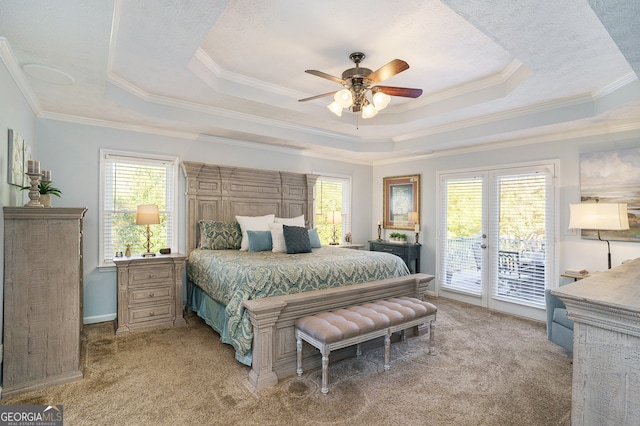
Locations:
(492, 71)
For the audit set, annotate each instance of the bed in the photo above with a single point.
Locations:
(252, 298)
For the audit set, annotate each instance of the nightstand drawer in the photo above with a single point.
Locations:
(151, 313)
(151, 275)
(151, 294)
(397, 250)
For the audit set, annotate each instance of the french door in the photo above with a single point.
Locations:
(496, 237)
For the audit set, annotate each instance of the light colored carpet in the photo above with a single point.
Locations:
(489, 369)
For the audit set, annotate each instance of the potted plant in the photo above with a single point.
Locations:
(46, 191)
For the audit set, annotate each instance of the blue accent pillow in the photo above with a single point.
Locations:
(259, 240)
(314, 238)
(297, 239)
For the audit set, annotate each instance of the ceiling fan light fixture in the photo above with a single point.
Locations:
(335, 108)
(344, 98)
(369, 111)
(381, 100)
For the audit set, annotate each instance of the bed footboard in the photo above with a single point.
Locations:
(274, 342)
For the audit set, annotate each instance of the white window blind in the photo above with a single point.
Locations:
(129, 180)
(332, 194)
(523, 217)
(462, 221)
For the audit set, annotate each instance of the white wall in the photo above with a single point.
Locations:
(15, 114)
(72, 152)
(572, 251)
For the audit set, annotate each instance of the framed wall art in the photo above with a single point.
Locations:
(612, 177)
(401, 202)
(15, 166)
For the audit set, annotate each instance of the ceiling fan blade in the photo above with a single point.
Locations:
(398, 91)
(317, 97)
(325, 75)
(389, 70)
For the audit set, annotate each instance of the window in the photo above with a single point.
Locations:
(128, 180)
(332, 194)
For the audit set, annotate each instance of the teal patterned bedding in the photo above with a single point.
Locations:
(232, 276)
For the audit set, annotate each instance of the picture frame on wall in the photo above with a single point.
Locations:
(401, 202)
(15, 166)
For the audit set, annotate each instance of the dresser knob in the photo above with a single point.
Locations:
(152, 275)
(150, 294)
(151, 314)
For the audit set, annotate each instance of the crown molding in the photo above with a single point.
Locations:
(206, 109)
(592, 131)
(9, 59)
(614, 85)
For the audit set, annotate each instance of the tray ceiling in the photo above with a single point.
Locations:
(491, 71)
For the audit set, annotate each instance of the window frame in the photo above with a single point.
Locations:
(104, 259)
(346, 199)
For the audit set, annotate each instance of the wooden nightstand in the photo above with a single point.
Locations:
(409, 252)
(149, 291)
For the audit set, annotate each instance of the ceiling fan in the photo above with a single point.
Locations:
(358, 82)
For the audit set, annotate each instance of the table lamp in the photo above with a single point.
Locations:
(600, 217)
(334, 217)
(147, 214)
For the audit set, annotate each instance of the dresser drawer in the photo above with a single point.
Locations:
(151, 313)
(151, 294)
(397, 250)
(159, 274)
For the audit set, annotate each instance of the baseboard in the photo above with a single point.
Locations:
(99, 318)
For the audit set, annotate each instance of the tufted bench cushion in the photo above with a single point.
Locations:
(340, 328)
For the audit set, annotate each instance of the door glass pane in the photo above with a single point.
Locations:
(461, 266)
(522, 231)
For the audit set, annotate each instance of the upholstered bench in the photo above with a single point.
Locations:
(327, 331)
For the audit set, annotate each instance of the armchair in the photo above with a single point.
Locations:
(559, 327)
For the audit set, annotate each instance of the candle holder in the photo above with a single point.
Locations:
(379, 232)
(417, 237)
(34, 191)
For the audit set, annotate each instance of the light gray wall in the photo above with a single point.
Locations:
(571, 250)
(72, 151)
(16, 114)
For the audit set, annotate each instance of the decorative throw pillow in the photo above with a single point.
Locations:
(314, 238)
(215, 235)
(277, 237)
(297, 239)
(259, 240)
(253, 223)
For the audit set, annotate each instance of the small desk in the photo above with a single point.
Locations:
(409, 252)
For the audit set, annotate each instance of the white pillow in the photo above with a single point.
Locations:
(277, 236)
(253, 223)
(290, 221)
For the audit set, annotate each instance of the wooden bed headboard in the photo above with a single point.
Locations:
(222, 192)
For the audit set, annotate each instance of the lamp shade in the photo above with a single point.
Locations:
(334, 217)
(147, 214)
(599, 216)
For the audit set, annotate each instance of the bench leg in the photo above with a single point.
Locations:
(299, 355)
(358, 350)
(325, 371)
(387, 351)
(432, 329)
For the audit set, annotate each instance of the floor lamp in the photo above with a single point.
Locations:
(334, 218)
(147, 215)
(599, 217)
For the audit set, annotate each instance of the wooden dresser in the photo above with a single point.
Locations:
(42, 297)
(409, 252)
(605, 308)
(149, 291)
